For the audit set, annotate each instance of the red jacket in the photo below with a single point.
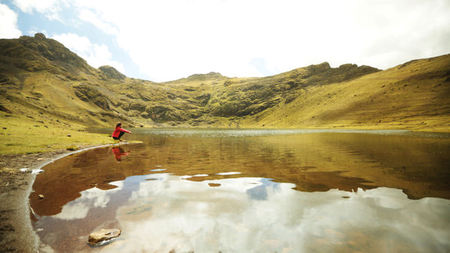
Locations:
(118, 130)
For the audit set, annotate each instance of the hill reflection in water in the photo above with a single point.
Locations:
(251, 193)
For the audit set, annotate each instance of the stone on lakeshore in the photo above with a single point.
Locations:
(36, 171)
(103, 235)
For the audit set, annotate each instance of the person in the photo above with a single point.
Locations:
(119, 131)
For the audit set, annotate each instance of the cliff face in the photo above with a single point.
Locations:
(39, 76)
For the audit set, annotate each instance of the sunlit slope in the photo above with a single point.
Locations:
(42, 80)
(41, 76)
(414, 95)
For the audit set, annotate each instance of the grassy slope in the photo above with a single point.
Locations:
(46, 92)
(20, 134)
(414, 95)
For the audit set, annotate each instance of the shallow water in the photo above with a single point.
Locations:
(251, 191)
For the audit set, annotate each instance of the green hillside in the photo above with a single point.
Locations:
(414, 96)
(43, 85)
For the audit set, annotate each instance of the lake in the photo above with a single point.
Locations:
(251, 191)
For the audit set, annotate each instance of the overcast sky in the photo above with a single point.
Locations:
(170, 39)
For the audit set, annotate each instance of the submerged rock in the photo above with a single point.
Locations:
(103, 235)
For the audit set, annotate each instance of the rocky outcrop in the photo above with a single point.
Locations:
(111, 73)
(89, 93)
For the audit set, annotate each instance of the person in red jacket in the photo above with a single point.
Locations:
(119, 131)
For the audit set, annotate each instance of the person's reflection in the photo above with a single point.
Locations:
(118, 153)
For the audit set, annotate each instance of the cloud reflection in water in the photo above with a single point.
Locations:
(258, 215)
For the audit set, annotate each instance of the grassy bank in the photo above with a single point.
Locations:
(21, 134)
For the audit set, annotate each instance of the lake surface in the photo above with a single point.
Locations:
(251, 191)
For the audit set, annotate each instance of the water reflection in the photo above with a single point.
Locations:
(286, 193)
(118, 153)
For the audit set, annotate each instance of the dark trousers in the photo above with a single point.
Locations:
(120, 135)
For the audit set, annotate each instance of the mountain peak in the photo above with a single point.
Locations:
(202, 77)
(40, 36)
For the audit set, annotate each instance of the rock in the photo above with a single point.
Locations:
(40, 36)
(71, 148)
(111, 72)
(23, 170)
(37, 171)
(41, 196)
(103, 235)
(69, 135)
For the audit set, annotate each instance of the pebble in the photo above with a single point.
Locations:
(36, 171)
(23, 169)
(41, 196)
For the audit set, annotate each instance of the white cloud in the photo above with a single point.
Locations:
(172, 39)
(50, 8)
(95, 54)
(91, 17)
(8, 23)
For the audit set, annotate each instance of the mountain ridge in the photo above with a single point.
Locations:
(39, 76)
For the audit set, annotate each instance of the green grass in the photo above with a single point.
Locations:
(23, 135)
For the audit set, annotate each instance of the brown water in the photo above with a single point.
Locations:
(251, 191)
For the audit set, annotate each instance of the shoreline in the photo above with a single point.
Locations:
(16, 231)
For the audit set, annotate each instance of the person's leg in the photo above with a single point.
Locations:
(120, 135)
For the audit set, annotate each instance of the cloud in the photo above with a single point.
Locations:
(8, 23)
(173, 39)
(95, 54)
(50, 8)
(91, 17)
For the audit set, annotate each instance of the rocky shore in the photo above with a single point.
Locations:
(16, 233)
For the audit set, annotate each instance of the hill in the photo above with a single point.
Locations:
(43, 85)
(414, 95)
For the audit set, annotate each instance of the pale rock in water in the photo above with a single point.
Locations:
(37, 171)
(103, 235)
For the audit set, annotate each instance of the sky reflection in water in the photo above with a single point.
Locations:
(248, 195)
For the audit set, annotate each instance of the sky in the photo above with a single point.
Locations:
(162, 40)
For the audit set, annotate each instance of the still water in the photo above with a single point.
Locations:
(251, 191)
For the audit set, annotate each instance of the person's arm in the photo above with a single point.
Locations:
(124, 130)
